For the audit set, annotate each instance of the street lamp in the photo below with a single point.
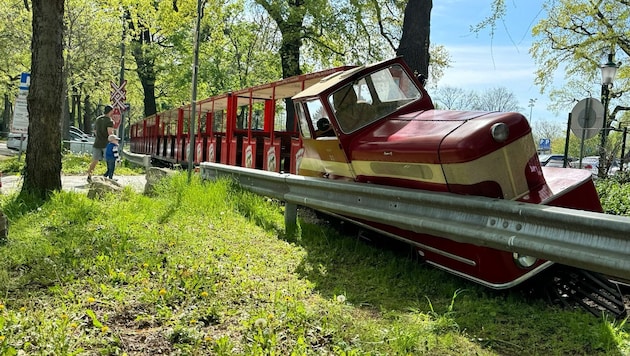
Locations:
(531, 106)
(609, 69)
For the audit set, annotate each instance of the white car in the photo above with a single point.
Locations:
(14, 139)
(76, 134)
(552, 160)
(592, 163)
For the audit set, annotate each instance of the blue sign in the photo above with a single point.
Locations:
(25, 81)
(545, 144)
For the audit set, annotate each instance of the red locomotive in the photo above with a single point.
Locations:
(377, 124)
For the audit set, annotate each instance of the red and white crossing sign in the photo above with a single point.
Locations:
(118, 95)
(116, 117)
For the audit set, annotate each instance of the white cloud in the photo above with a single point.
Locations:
(475, 67)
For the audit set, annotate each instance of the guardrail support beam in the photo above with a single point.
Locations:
(290, 218)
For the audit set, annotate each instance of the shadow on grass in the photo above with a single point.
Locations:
(384, 275)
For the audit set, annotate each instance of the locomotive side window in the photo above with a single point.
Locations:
(319, 118)
(305, 131)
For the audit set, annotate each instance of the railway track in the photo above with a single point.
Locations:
(560, 285)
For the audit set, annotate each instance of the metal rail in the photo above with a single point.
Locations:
(592, 241)
(137, 159)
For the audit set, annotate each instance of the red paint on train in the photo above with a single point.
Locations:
(376, 124)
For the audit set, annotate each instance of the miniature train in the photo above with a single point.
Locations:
(376, 124)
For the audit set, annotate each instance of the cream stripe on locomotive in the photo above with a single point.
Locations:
(423, 172)
(321, 166)
(505, 166)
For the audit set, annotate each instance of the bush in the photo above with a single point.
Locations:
(614, 194)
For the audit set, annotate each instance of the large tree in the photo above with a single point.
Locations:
(43, 163)
(415, 40)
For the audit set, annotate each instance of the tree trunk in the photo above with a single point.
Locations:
(6, 113)
(414, 44)
(42, 173)
(145, 70)
(87, 115)
(290, 58)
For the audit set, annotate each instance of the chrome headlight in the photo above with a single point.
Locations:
(500, 132)
(523, 261)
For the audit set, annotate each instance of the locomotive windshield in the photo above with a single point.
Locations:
(373, 97)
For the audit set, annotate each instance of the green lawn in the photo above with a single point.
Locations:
(206, 269)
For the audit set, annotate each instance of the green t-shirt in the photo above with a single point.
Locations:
(101, 125)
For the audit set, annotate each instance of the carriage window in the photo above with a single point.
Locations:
(258, 121)
(280, 116)
(219, 121)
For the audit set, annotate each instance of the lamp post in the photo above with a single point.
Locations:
(531, 107)
(609, 69)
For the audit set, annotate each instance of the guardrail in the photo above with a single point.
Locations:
(137, 159)
(592, 241)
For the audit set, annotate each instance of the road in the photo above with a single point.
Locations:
(4, 151)
(69, 183)
(75, 183)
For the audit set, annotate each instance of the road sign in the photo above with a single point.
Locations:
(20, 112)
(587, 118)
(25, 83)
(118, 95)
(544, 144)
(116, 117)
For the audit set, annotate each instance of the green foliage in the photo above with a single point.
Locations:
(574, 38)
(15, 26)
(200, 269)
(614, 193)
(11, 165)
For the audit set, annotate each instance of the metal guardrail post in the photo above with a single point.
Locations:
(290, 218)
(593, 241)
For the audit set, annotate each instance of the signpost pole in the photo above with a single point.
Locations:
(566, 143)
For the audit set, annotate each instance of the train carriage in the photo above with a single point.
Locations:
(247, 128)
(376, 124)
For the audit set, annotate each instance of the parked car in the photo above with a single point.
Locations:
(76, 134)
(592, 163)
(13, 141)
(552, 160)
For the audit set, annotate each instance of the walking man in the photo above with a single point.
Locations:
(103, 127)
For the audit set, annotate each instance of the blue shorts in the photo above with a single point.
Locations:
(98, 154)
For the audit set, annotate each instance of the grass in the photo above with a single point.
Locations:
(72, 164)
(205, 268)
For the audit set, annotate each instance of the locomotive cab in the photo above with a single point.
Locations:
(382, 128)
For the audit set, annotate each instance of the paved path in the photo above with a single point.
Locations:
(75, 183)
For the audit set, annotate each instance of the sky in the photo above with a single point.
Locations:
(480, 61)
